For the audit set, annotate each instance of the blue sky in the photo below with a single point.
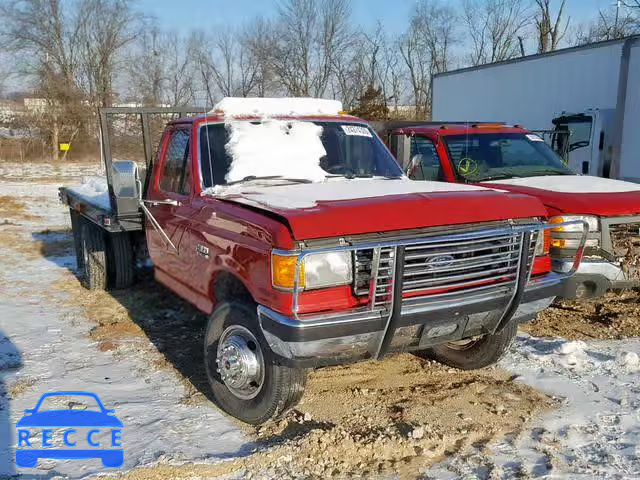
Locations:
(184, 15)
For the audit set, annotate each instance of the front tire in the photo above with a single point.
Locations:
(245, 380)
(475, 353)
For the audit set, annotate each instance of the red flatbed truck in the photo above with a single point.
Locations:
(298, 273)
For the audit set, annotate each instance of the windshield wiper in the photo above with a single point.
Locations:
(551, 172)
(351, 176)
(251, 178)
(499, 176)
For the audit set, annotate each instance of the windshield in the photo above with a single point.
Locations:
(350, 150)
(492, 156)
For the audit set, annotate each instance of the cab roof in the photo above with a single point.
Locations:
(459, 128)
(219, 117)
(285, 108)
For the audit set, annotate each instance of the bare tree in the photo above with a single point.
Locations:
(551, 29)
(308, 36)
(493, 27)
(426, 49)
(225, 64)
(417, 63)
(258, 39)
(608, 26)
(106, 27)
(160, 68)
(146, 66)
(43, 37)
(180, 73)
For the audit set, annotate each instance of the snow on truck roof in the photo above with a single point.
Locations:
(276, 107)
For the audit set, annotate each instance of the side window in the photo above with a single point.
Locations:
(176, 173)
(214, 159)
(425, 164)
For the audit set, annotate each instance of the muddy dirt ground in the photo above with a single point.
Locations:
(615, 316)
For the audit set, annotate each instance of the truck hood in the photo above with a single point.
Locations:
(578, 194)
(351, 207)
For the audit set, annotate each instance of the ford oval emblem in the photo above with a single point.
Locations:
(439, 261)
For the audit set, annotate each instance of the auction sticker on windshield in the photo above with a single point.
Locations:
(356, 130)
(84, 429)
(534, 138)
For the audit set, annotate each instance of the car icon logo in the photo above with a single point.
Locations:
(36, 418)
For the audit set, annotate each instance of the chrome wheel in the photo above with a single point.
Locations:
(240, 362)
(464, 344)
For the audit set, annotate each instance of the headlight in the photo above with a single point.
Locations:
(543, 242)
(318, 270)
(569, 236)
(594, 223)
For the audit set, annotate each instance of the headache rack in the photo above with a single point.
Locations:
(425, 271)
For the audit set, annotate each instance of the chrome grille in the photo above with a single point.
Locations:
(362, 271)
(436, 267)
(382, 285)
(453, 265)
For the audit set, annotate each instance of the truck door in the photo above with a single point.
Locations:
(171, 185)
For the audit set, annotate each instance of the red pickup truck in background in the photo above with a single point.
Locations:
(293, 227)
(513, 159)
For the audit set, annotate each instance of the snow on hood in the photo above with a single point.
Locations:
(307, 195)
(275, 147)
(292, 106)
(572, 184)
(94, 190)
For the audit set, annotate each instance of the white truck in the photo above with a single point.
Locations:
(591, 91)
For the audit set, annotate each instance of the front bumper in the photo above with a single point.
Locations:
(593, 278)
(336, 339)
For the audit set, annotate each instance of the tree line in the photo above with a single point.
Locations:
(82, 54)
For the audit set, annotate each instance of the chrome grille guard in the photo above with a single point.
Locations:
(386, 289)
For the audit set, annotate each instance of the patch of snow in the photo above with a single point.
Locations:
(14, 170)
(275, 147)
(594, 433)
(629, 360)
(307, 195)
(44, 343)
(94, 190)
(269, 107)
(573, 184)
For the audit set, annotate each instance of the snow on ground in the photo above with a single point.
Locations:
(27, 170)
(595, 431)
(46, 348)
(573, 184)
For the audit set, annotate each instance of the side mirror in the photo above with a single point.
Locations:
(126, 181)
